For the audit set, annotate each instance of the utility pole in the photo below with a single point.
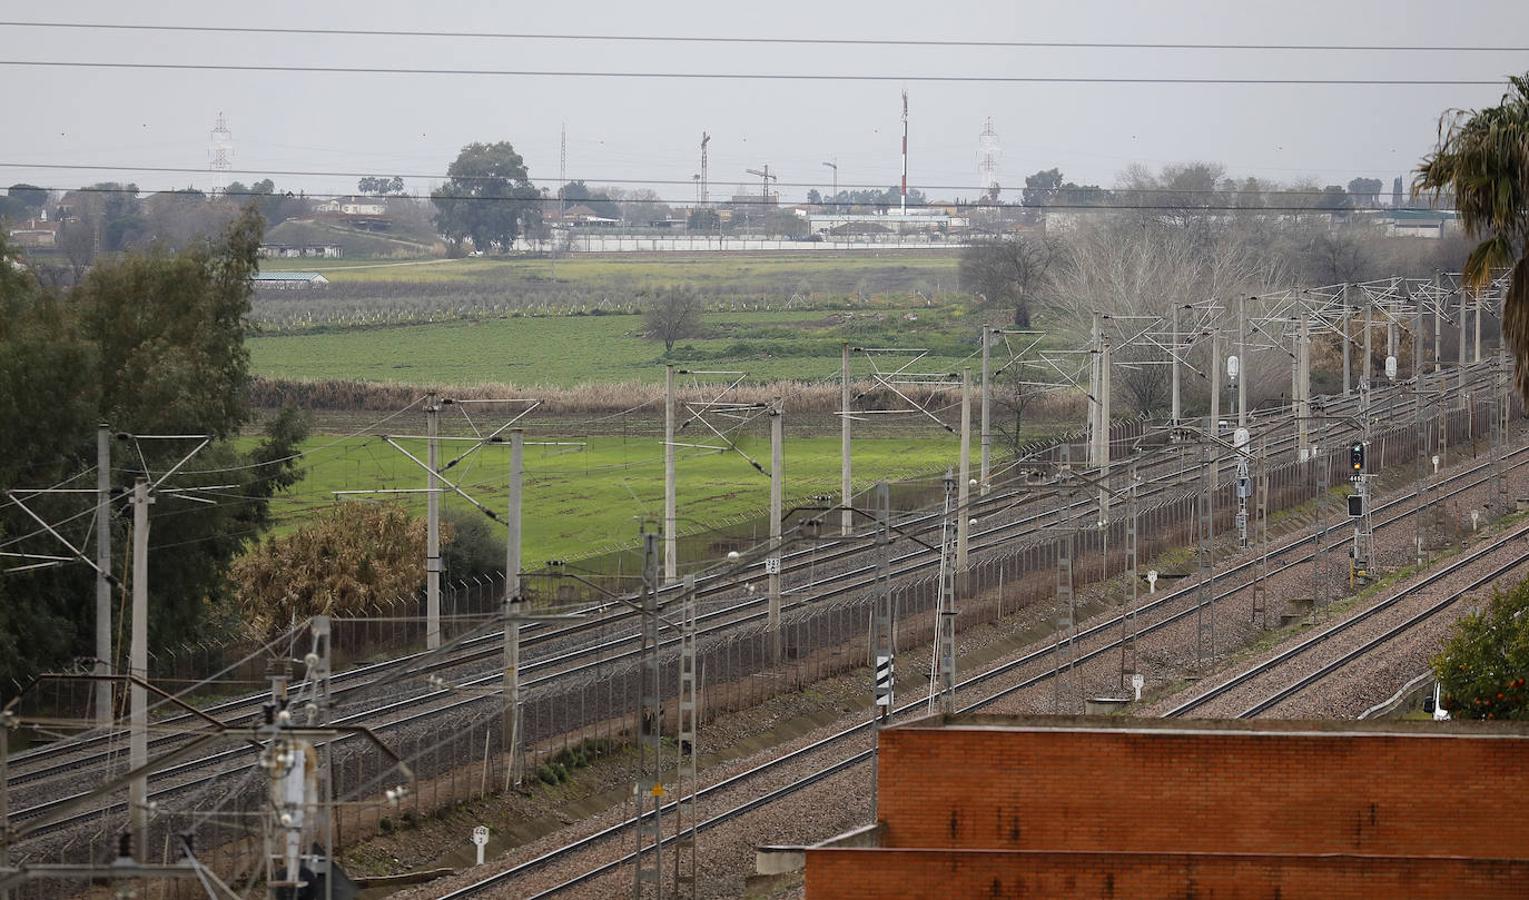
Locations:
(686, 743)
(944, 686)
(1213, 427)
(1099, 402)
(1348, 352)
(884, 670)
(1128, 621)
(1205, 619)
(963, 489)
(1066, 604)
(984, 473)
(513, 608)
(1261, 531)
(1173, 341)
(777, 509)
(138, 668)
(1478, 304)
(846, 485)
(671, 516)
(103, 690)
(1366, 369)
(1438, 320)
(1301, 389)
(433, 525)
(650, 788)
(1242, 362)
(1460, 358)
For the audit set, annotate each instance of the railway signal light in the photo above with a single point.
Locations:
(1356, 506)
(1356, 457)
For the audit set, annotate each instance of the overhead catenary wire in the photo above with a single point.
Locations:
(738, 76)
(764, 40)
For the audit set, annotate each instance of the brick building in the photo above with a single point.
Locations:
(1114, 807)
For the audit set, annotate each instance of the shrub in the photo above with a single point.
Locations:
(1482, 668)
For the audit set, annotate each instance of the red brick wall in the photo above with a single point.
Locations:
(877, 874)
(1205, 791)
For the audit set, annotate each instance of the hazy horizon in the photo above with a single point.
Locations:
(649, 129)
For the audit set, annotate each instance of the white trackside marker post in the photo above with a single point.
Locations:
(1436, 464)
(1138, 681)
(480, 841)
(1151, 581)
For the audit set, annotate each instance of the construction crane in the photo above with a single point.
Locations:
(705, 139)
(765, 178)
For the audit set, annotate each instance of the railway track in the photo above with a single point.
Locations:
(984, 539)
(1039, 655)
(1427, 610)
(36, 765)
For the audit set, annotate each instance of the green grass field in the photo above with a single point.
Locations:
(583, 501)
(562, 351)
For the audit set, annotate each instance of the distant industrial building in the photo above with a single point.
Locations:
(1420, 223)
(289, 280)
(295, 251)
(995, 806)
(885, 223)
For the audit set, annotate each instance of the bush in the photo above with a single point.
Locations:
(475, 547)
(1483, 666)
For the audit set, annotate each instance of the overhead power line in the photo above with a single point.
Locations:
(598, 182)
(728, 39)
(755, 200)
(744, 76)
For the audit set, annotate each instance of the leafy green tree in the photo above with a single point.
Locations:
(1366, 191)
(30, 196)
(1483, 159)
(1483, 666)
(151, 344)
(1040, 188)
(487, 197)
(1335, 198)
(476, 546)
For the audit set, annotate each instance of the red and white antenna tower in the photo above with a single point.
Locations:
(903, 206)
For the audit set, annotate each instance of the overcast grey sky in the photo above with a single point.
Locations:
(636, 128)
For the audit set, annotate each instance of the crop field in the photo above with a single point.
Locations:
(367, 293)
(582, 501)
(563, 351)
(654, 269)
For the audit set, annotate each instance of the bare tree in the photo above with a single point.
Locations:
(1009, 273)
(673, 313)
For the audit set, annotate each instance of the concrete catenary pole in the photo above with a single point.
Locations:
(1366, 371)
(1242, 362)
(846, 483)
(1176, 388)
(1478, 304)
(777, 509)
(433, 525)
(1438, 323)
(513, 607)
(1213, 427)
(138, 667)
(671, 516)
(984, 473)
(963, 487)
(1348, 349)
(1460, 357)
(103, 692)
(1302, 386)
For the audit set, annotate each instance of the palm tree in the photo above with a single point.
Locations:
(1483, 159)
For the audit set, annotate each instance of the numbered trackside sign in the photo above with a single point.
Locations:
(772, 565)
